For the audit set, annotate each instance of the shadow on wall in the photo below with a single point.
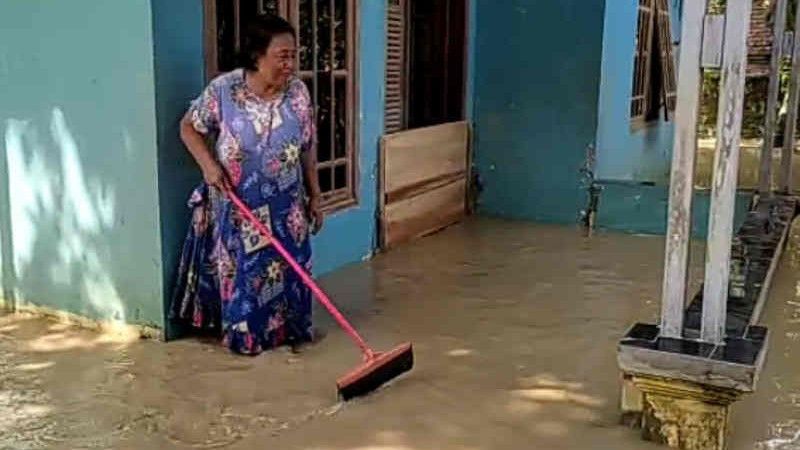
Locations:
(68, 250)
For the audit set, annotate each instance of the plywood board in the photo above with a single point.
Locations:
(424, 213)
(412, 158)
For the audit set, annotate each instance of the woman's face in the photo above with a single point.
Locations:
(277, 63)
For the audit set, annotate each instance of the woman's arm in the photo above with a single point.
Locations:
(213, 173)
(201, 118)
(311, 178)
(309, 160)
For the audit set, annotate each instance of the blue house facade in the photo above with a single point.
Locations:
(95, 179)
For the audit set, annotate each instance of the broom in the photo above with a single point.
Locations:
(377, 367)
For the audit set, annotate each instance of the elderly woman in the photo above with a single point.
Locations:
(261, 118)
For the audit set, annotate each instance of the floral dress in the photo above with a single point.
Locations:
(230, 278)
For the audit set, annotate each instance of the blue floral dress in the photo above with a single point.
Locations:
(230, 279)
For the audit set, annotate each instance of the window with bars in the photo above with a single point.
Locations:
(326, 63)
(654, 81)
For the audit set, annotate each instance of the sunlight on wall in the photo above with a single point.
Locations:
(80, 209)
(24, 194)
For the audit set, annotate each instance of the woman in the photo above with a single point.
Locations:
(261, 117)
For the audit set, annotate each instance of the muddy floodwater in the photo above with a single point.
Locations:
(514, 329)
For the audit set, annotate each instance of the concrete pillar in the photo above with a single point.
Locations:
(685, 415)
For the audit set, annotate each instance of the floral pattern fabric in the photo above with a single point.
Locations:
(230, 279)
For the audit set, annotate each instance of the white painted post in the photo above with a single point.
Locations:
(791, 114)
(726, 165)
(679, 224)
(765, 173)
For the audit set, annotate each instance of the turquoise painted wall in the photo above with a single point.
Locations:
(472, 22)
(350, 235)
(639, 208)
(622, 153)
(633, 166)
(536, 104)
(78, 134)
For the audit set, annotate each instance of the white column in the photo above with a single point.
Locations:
(679, 224)
(726, 165)
(791, 115)
(765, 173)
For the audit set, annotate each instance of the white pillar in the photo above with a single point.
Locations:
(765, 173)
(726, 165)
(679, 223)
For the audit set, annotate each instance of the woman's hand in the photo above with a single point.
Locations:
(215, 176)
(315, 214)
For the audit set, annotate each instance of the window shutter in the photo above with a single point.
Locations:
(641, 69)
(664, 28)
(395, 114)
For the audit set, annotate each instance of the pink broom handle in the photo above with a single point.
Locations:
(368, 352)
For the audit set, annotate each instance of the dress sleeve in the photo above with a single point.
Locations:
(301, 103)
(204, 111)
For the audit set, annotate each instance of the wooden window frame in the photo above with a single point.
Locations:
(335, 199)
(397, 85)
(395, 114)
(653, 17)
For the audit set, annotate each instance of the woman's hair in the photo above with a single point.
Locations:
(258, 34)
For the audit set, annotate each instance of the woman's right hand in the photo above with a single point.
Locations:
(215, 176)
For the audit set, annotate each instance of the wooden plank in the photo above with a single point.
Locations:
(701, 370)
(713, 31)
(424, 214)
(414, 156)
(382, 227)
(423, 187)
(726, 164)
(765, 172)
(785, 185)
(676, 255)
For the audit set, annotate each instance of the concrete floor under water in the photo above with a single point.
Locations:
(514, 326)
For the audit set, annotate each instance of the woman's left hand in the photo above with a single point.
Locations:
(315, 214)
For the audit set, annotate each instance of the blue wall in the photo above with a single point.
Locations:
(624, 154)
(179, 77)
(77, 131)
(350, 235)
(639, 208)
(472, 22)
(634, 166)
(536, 88)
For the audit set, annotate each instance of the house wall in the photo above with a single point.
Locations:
(91, 103)
(179, 77)
(536, 104)
(633, 166)
(350, 235)
(625, 154)
(78, 138)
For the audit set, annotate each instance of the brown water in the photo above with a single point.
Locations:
(514, 327)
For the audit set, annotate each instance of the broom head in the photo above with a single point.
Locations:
(373, 373)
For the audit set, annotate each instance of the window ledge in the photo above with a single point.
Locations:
(337, 206)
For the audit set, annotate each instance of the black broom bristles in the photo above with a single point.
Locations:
(375, 373)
